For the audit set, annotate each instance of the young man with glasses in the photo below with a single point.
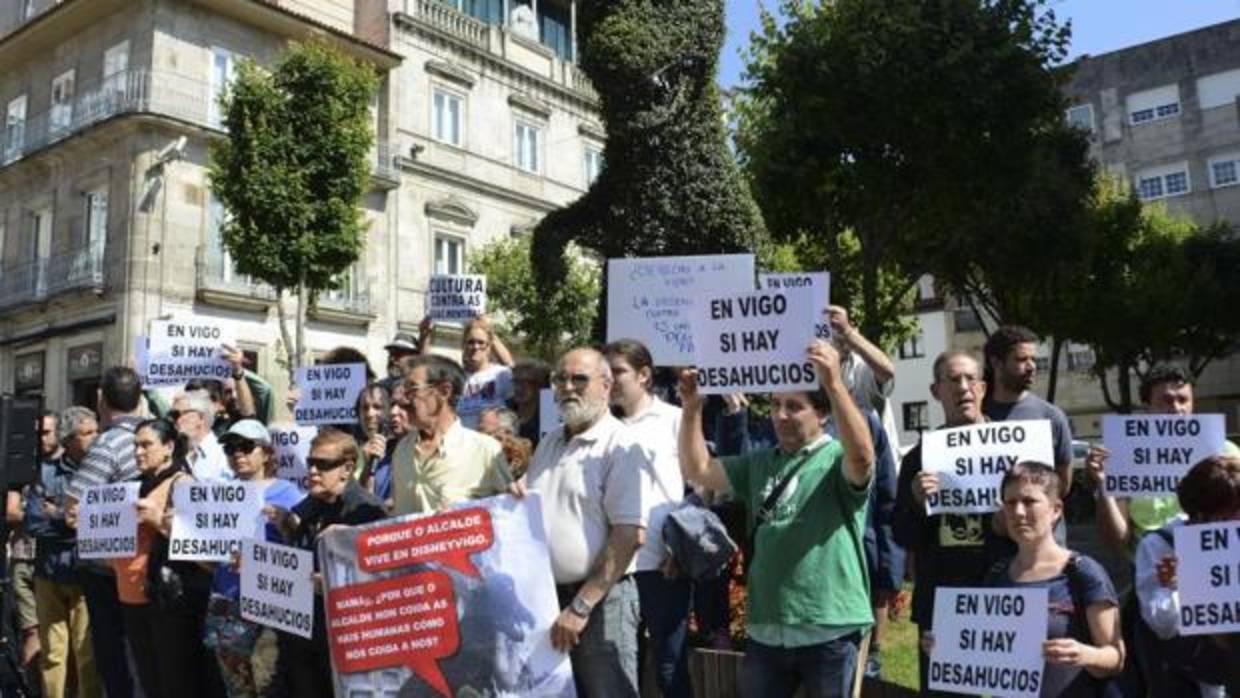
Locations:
(593, 479)
(441, 462)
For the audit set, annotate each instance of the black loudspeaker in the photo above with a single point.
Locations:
(19, 439)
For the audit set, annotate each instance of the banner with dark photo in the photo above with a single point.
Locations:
(458, 603)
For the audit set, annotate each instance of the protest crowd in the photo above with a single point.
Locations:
(643, 482)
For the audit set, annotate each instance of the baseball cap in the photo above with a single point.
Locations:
(403, 341)
(247, 429)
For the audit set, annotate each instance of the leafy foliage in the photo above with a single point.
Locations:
(547, 321)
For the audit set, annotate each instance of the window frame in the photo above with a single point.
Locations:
(592, 174)
(518, 145)
(919, 409)
(460, 242)
(1089, 108)
(1232, 159)
(64, 106)
(438, 90)
(1160, 178)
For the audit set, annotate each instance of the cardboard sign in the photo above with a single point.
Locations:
(456, 297)
(548, 412)
(186, 348)
(211, 518)
(329, 393)
(988, 641)
(277, 589)
(1150, 453)
(819, 283)
(292, 448)
(1208, 572)
(971, 462)
(754, 341)
(445, 604)
(108, 522)
(651, 299)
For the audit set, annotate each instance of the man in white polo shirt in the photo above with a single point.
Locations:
(655, 425)
(592, 477)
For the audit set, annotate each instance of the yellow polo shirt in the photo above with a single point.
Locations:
(467, 465)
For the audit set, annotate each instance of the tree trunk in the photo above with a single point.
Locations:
(291, 363)
(1106, 391)
(1053, 379)
(301, 319)
(1125, 386)
(872, 325)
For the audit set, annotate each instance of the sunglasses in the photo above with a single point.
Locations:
(321, 464)
(239, 446)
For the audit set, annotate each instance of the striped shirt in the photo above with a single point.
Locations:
(110, 459)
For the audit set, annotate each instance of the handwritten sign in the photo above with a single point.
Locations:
(971, 462)
(329, 393)
(819, 283)
(754, 342)
(456, 297)
(1150, 453)
(108, 522)
(277, 589)
(292, 448)
(650, 299)
(184, 349)
(211, 518)
(988, 641)
(1208, 571)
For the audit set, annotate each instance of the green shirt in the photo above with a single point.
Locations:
(809, 562)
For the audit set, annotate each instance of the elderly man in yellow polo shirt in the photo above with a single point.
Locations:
(441, 462)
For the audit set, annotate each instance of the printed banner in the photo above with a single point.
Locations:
(329, 393)
(210, 519)
(107, 525)
(1149, 453)
(819, 283)
(292, 448)
(456, 297)
(186, 348)
(277, 587)
(972, 460)
(450, 604)
(651, 299)
(754, 342)
(988, 641)
(1208, 577)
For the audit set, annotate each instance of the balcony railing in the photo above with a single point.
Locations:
(40, 279)
(450, 21)
(215, 273)
(352, 301)
(135, 92)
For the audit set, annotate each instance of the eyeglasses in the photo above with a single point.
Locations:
(174, 415)
(579, 381)
(321, 464)
(239, 446)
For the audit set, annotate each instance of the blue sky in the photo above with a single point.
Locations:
(1098, 26)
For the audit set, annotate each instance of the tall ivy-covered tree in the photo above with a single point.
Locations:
(917, 126)
(669, 184)
(292, 174)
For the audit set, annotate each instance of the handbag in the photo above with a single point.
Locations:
(698, 541)
(175, 586)
(768, 506)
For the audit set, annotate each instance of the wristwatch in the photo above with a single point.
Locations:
(580, 607)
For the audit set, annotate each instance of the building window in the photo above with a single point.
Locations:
(593, 164)
(447, 117)
(1082, 117)
(115, 63)
(96, 218)
(449, 255)
(1154, 105)
(1163, 183)
(916, 416)
(966, 318)
(1081, 358)
(1219, 89)
(526, 140)
(1225, 171)
(912, 348)
(15, 127)
(223, 70)
(62, 102)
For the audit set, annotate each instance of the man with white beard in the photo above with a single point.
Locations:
(591, 476)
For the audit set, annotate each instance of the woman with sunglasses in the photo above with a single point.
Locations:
(163, 602)
(488, 383)
(251, 457)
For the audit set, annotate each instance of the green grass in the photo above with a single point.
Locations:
(900, 653)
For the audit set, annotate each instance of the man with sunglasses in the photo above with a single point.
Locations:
(441, 462)
(594, 480)
(194, 416)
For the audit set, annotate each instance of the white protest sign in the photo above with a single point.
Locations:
(292, 448)
(650, 299)
(754, 342)
(988, 641)
(818, 281)
(276, 587)
(1150, 453)
(108, 522)
(329, 393)
(210, 518)
(1208, 571)
(972, 460)
(456, 297)
(548, 412)
(185, 348)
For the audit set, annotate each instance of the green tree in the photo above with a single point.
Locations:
(669, 184)
(921, 129)
(292, 174)
(546, 322)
